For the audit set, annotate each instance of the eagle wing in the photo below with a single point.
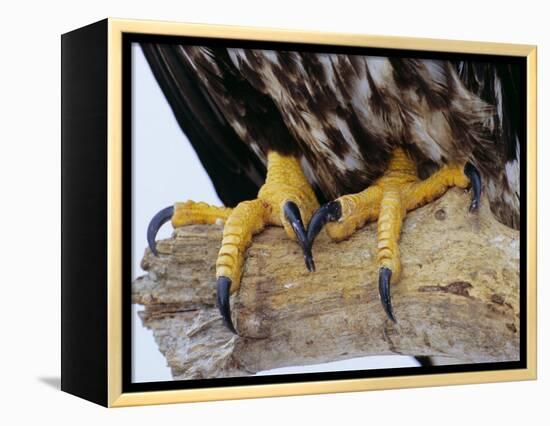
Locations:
(342, 115)
(499, 85)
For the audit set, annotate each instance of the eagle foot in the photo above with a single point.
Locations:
(181, 214)
(388, 200)
(286, 199)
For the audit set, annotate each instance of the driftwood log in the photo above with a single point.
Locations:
(458, 296)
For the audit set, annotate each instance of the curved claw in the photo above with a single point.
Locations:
(384, 280)
(424, 361)
(222, 296)
(292, 214)
(475, 179)
(157, 221)
(329, 212)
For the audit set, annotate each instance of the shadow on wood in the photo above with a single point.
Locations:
(458, 296)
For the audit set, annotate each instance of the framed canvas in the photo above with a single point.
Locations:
(255, 212)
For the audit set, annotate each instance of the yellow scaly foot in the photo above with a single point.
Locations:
(389, 199)
(286, 199)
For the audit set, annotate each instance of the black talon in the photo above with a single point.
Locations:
(475, 179)
(424, 361)
(222, 295)
(384, 280)
(292, 213)
(156, 222)
(328, 212)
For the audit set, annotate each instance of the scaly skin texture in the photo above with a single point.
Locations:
(247, 219)
(192, 213)
(285, 182)
(389, 198)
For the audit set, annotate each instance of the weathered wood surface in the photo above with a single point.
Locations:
(458, 296)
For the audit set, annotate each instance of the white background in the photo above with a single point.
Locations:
(30, 179)
(165, 169)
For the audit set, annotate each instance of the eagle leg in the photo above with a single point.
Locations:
(286, 199)
(388, 200)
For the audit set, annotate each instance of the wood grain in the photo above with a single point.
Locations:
(458, 296)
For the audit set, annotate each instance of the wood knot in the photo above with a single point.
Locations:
(460, 288)
(440, 214)
(512, 327)
(498, 299)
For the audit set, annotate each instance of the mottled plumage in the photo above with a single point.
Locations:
(342, 115)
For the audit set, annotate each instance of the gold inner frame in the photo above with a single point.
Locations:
(116, 28)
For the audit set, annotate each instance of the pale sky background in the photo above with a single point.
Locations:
(166, 169)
